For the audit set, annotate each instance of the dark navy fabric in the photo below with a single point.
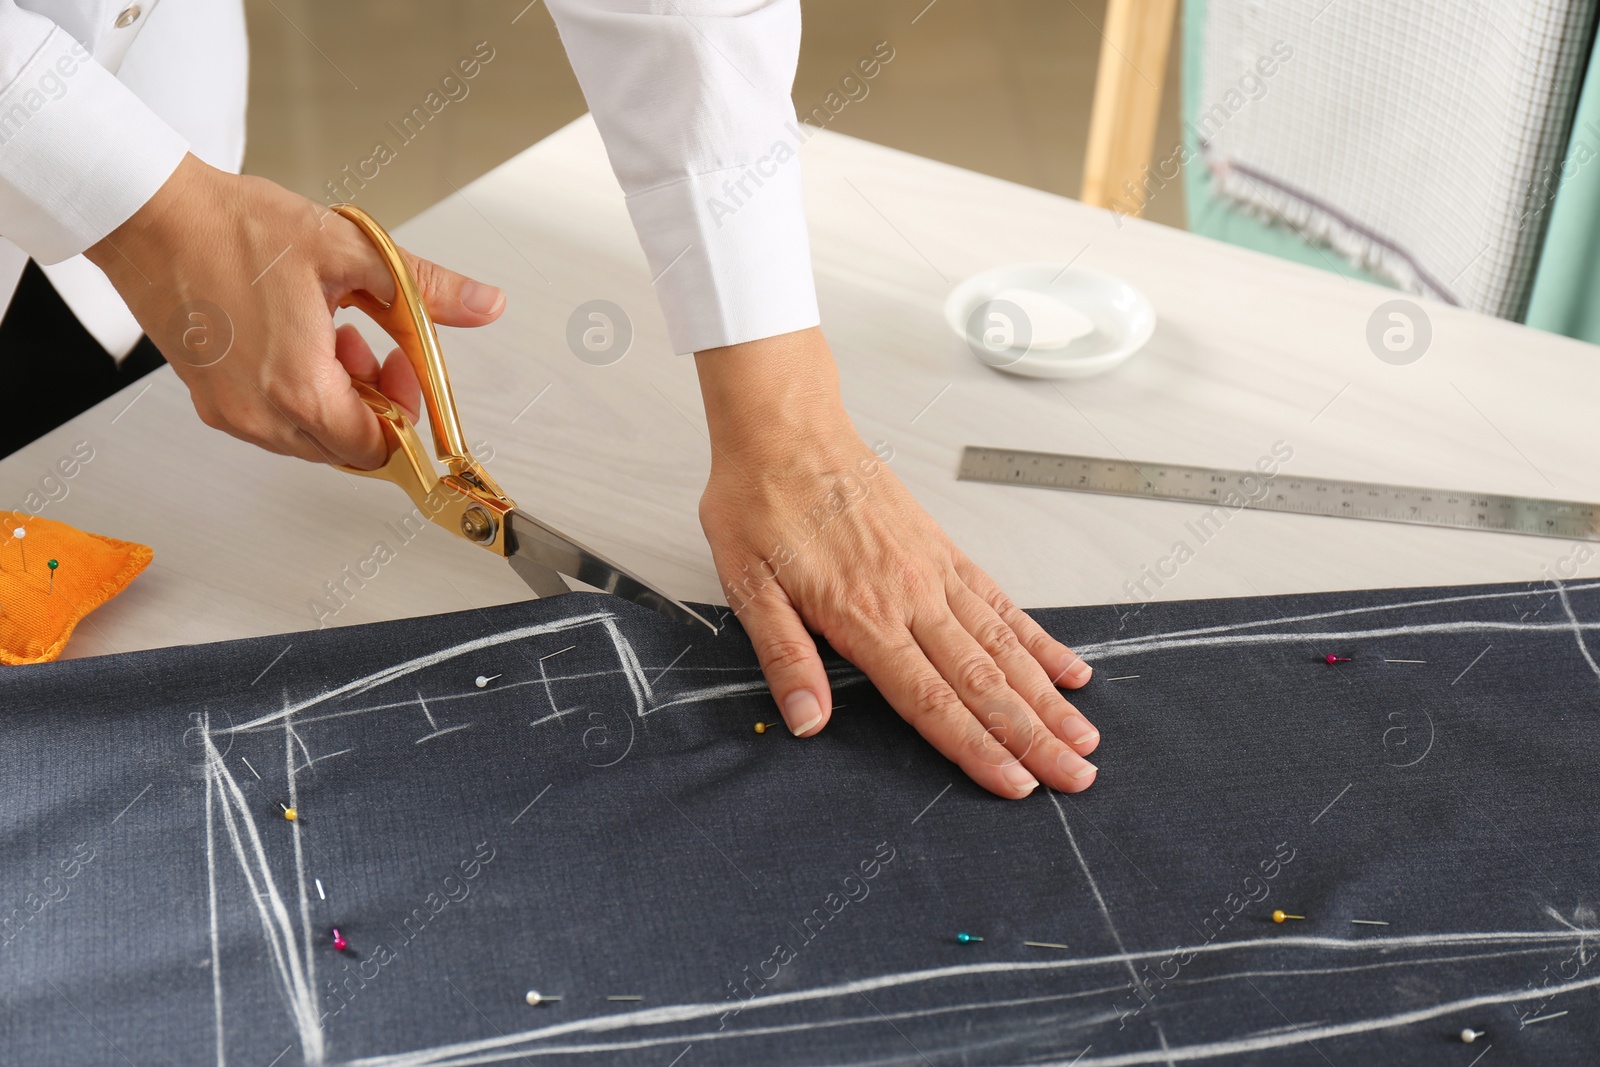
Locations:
(600, 819)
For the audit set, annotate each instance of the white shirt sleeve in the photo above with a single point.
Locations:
(692, 99)
(79, 152)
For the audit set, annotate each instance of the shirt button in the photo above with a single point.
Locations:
(129, 16)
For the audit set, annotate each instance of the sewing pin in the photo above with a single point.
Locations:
(53, 564)
(1368, 922)
(625, 998)
(761, 727)
(288, 812)
(17, 535)
(1330, 659)
(1280, 915)
(339, 942)
(1469, 1035)
(1043, 944)
(481, 681)
(966, 938)
(536, 998)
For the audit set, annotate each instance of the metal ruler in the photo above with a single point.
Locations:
(1284, 492)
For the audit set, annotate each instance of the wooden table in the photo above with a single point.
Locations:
(1249, 351)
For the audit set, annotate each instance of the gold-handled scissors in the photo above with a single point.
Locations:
(465, 500)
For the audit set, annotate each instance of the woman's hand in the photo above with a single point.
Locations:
(236, 279)
(810, 530)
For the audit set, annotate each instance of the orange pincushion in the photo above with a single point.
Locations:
(37, 612)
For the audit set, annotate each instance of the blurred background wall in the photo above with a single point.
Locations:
(998, 86)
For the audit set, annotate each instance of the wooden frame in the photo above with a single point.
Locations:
(1127, 99)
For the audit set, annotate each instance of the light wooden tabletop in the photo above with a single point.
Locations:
(1249, 351)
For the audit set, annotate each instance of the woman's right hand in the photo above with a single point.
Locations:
(236, 280)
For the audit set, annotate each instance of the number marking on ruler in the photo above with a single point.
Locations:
(1283, 492)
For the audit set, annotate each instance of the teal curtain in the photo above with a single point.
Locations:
(1566, 291)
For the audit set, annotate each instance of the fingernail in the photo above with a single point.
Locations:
(1018, 776)
(1075, 668)
(480, 299)
(1088, 735)
(1075, 766)
(802, 708)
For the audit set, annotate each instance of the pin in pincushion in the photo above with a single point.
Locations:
(51, 576)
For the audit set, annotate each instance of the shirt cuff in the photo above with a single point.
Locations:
(79, 152)
(728, 253)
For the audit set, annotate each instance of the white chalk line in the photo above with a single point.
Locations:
(1239, 1046)
(1163, 644)
(762, 1031)
(432, 659)
(211, 896)
(1094, 887)
(1278, 1037)
(1313, 616)
(1577, 629)
(687, 1012)
(290, 736)
(275, 921)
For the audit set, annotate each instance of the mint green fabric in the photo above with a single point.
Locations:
(1566, 289)
(1566, 292)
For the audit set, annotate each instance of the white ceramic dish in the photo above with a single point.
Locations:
(999, 331)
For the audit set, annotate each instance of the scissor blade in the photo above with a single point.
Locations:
(537, 550)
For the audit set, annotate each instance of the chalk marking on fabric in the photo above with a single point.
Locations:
(680, 1056)
(445, 1054)
(1237, 640)
(838, 677)
(211, 898)
(290, 737)
(279, 1056)
(274, 662)
(1331, 803)
(274, 916)
(531, 803)
(556, 653)
(1480, 1056)
(1161, 1036)
(1101, 646)
(1577, 629)
(131, 803)
(1123, 678)
(931, 803)
(1094, 887)
(625, 998)
(418, 663)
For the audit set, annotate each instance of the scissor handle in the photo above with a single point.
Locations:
(406, 319)
(465, 500)
(458, 502)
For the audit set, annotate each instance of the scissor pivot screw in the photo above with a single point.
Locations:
(477, 525)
